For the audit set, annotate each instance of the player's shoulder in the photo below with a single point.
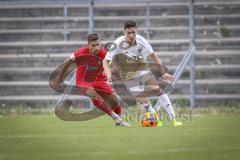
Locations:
(102, 52)
(140, 38)
(82, 50)
(143, 42)
(120, 39)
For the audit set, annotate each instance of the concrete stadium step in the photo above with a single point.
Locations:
(36, 101)
(115, 22)
(119, 9)
(158, 45)
(209, 86)
(83, 2)
(42, 74)
(202, 32)
(220, 57)
(33, 2)
(204, 86)
(48, 101)
(216, 57)
(26, 88)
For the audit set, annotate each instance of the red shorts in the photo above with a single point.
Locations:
(101, 87)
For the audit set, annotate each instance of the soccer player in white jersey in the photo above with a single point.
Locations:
(134, 49)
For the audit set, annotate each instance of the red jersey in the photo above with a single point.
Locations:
(89, 66)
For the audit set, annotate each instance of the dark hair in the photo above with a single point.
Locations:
(93, 37)
(129, 24)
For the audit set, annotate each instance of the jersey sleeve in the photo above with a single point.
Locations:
(111, 54)
(76, 54)
(103, 53)
(114, 50)
(149, 49)
(72, 57)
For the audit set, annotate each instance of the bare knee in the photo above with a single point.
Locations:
(156, 91)
(142, 99)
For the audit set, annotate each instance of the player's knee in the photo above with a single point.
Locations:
(157, 91)
(92, 93)
(112, 100)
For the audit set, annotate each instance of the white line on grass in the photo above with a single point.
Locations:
(105, 153)
(47, 136)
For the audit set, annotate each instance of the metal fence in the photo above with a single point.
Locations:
(189, 57)
(190, 54)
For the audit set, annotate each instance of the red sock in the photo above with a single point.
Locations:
(117, 110)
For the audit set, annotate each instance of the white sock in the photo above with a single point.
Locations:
(157, 105)
(148, 107)
(116, 117)
(164, 101)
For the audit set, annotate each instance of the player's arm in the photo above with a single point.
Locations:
(107, 68)
(163, 70)
(60, 77)
(113, 70)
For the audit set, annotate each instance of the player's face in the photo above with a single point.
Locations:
(94, 46)
(130, 34)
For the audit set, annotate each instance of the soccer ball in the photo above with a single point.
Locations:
(150, 119)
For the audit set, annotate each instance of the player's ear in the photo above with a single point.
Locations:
(124, 31)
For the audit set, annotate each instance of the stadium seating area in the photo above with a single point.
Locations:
(32, 44)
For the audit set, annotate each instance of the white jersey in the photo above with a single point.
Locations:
(136, 56)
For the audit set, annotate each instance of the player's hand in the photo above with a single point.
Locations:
(169, 77)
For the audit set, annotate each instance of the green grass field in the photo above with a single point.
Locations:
(46, 137)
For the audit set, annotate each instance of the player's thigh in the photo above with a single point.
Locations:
(152, 85)
(103, 88)
(91, 92)
(142, 98)
(133, 86)
(87, 89)
(106, 92)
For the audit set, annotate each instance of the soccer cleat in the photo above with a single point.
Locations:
(159, 124)
(177, 123)
(122, 123)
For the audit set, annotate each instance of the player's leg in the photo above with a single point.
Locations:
(145, 103)
(140, 96)
(143, 100)
(97, 100)
(111, 101)
(106, 92)
(162, 101)
(87, 90)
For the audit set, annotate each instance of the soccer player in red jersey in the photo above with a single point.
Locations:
(91, 78)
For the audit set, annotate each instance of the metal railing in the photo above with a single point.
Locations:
(188, 57)
(192, 61)
(90, 16)
(65, 15)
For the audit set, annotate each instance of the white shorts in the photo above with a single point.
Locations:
(137, 85)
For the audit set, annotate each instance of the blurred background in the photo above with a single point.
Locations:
(37, 36)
